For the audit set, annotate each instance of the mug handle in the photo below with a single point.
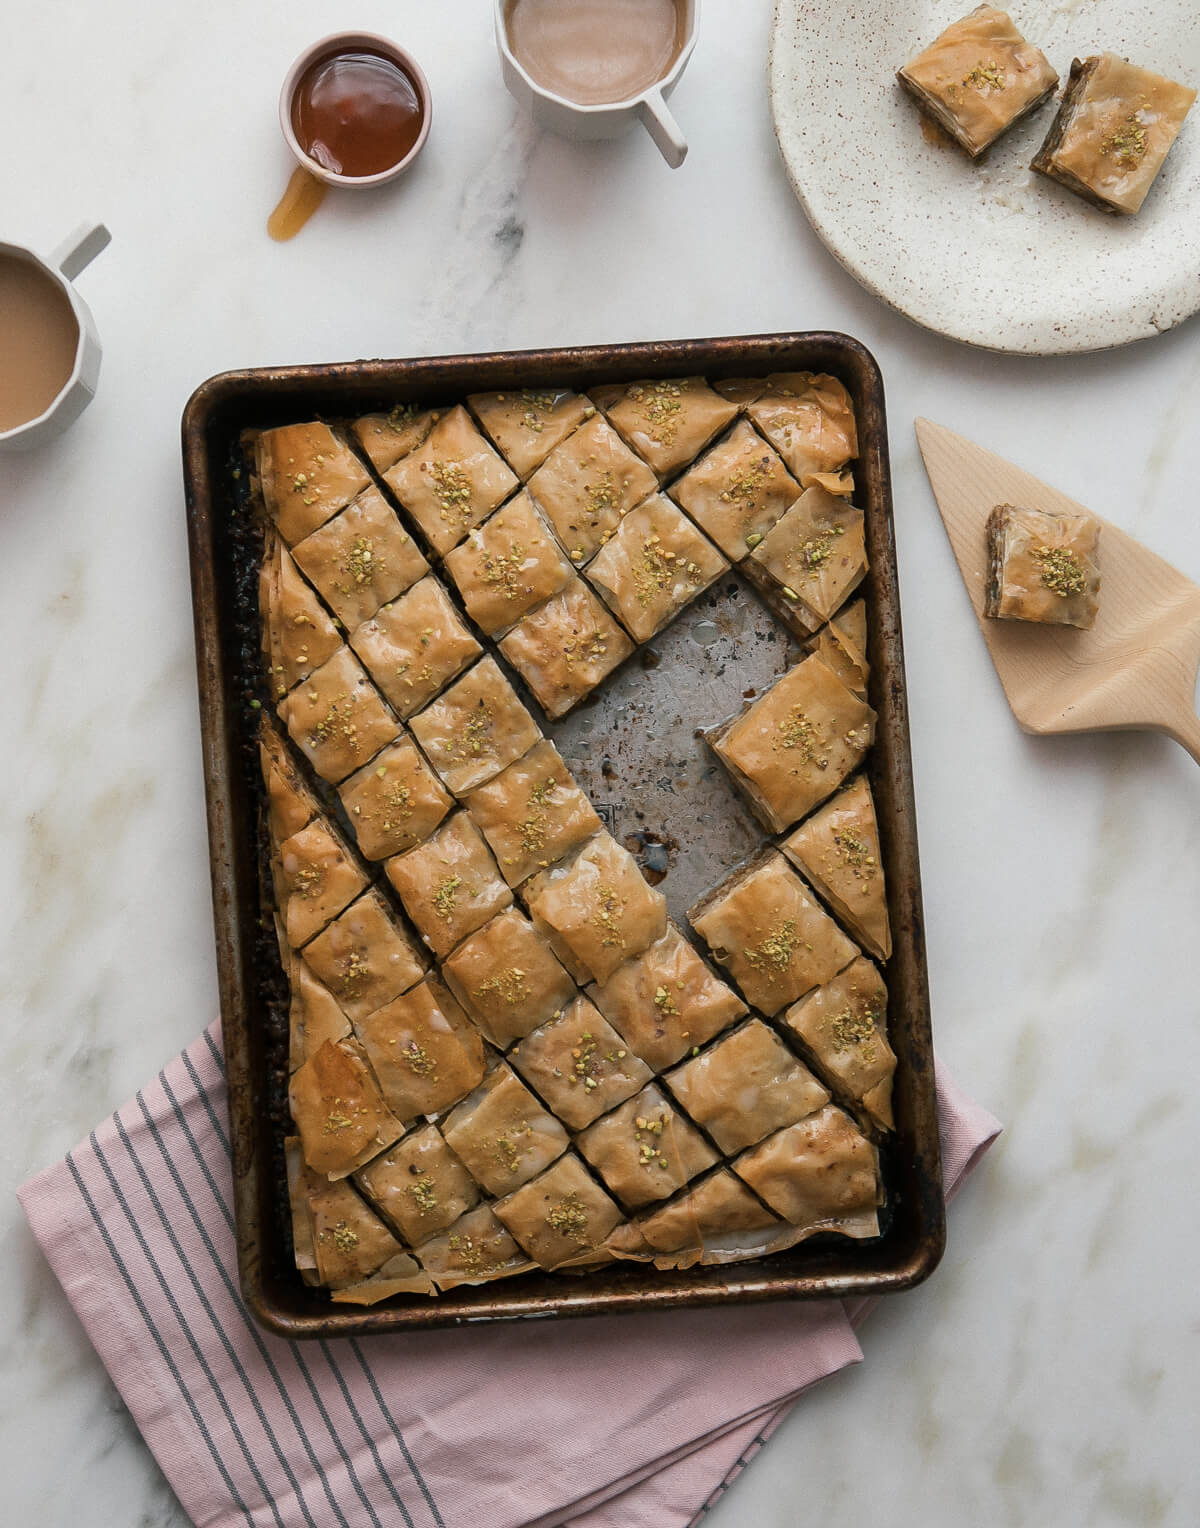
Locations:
(663, 128)
(80, 248)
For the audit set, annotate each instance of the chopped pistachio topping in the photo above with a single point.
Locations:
(569, 1218)
(985, 75)
(503, 572)
(603, 496)
(533, 828)
(506, 1151)
(418, 1060)
(510, 986)
(775, 951)
(443, 898)
(424, 1195)
(661, 408)
(452, 489)
(812, 556)
(472, 1254)
(1127, 144)
(744, 489)
(855, 853)
(536, 404)
(337, 1119)
(401, 417)
(361, 564)
(852, 1027)
(308, 881)
(344, 1239)
(584, 648)
(796, 731)
(664, 1002)
(609, 905)
(338, 722)
(354, 973)
(1062, 572)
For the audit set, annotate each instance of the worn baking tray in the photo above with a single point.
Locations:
(636, 753)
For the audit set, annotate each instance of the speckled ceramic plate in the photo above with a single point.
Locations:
(988, 253)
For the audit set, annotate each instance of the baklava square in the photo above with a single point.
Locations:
(1042, 567)
(842, 647)
(794, 746)
(337, 718)
(837, 848)
(503, 1133)
(587, 485)
(313, 1013)
(737, 490)
(580, 1065)
(655, 563)
(451, 481)
(449, 885)
(645, 1149)
(532, 813)
(338, 1110)
(365, 957)
(561, 1217)
(508, 565)
(978, 78)
(763, 925)
(718, 1219)
(566, 647)
(666, 1002)
(385, 438)
(317, 878)
(668, 422)
(360, 559)
(475, 1250)
(507, 978)
(414, 646)
(425, 1051)
(527, 423)
(745, 1086)
(297, 635)
(394, 802)
(349, 1241)
(844, 1025)
(420, 1186)
(1114, 129)
(291, 804)
(597, 904)
(809, 419)
(821, 1174)
(814, 557)
(306, 475)
(475, 729)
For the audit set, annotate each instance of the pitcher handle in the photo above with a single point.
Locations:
(79, 249)
(663, 128)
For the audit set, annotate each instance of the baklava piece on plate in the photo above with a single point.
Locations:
(419, 1185)
(449, 885)
(1042, 567)
(425, 1051)
(718, 1220)
(365, 957)
(978, 78)
(1113, 131)
(809, 419)
(339, 1111)
(475, 729)
(655, 563)
(812, 559)
(385, 438)
(337, 718)
(503, 1133)
(532, 813)
(306, 475)
(562, 1217)
(507, 566)
(766, 928)
(526, 424)
(507, 978)
(451, 481)
(316, 877)
(737, 490)
(586, 486)
(795, 745)
(564, 648)
(821, 1174)
(844, 1025)
(415, 645)
(394, 802)
(837, 848)
(297, 634)
(360, 559)
(670, 421)
(580, 1065)
(645, 1149)
(475, 1250)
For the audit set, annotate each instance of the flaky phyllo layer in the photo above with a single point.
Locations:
(503, 1054)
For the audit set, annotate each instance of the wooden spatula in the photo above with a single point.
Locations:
(1135, 668)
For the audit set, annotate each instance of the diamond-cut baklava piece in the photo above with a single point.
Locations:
(338, 1110)
(763, 925)
(645, 1149)
(562, 1217)
(449, 885)
(666, 1001)
(655, 563)
(349, 1240)
(586, 485)
(978, 78)
(842, 647)
(598, 905)
(717, 1220)
(1042, 567)
(737, 491)
(745, 1086)
(297, 634)
(795, 745)
(415, 646)
(306, 474)
(527, 423)
(385, 438)
(394, 802)
(814, 557)
(476, 1249)
(400, 1275)
(360, 559)
(365, 957)
(420, 1186)
(564, 648)
(821, 1174)
(580, 1065)
(508, 565)
(809, 419)
(532, 813)
(740, 390)
(503, 1133)
(291, 804)
(426, 1052)
(475, 729)
(317, 877)
(670, 421)
(507, 978)
(313, 1013)
(838, 850)
(844, 1025)
(336, 717)
(451, 481)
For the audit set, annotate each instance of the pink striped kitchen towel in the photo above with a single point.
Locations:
(616, 1422)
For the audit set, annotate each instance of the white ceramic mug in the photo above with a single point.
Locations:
(71, 256)
(608, 120)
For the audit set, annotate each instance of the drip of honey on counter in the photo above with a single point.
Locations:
(303, 196)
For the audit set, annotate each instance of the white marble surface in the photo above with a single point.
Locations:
(1048, 1372)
